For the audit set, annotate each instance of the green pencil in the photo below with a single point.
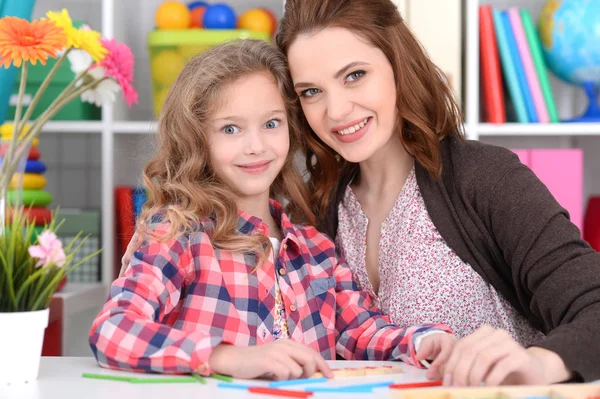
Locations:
(200, 379)
(162, 380)
(106, 377)
(221, 377)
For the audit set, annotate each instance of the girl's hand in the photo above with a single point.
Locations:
(436, 347)
(280, 360)
(133, 245)
(490, 356)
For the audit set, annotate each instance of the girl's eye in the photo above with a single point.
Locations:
(230, 129)
(272, 124)
(309, 92)
(354, 76)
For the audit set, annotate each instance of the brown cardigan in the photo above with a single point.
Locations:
(500, 219)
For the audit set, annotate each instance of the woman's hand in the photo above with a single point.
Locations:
(133, 245)
(492, 357)
(280, 360)
(436, 347)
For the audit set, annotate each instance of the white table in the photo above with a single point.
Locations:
(60, 378)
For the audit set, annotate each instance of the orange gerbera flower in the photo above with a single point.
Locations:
(22, 41)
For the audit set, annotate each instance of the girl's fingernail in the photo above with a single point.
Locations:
(447, 380)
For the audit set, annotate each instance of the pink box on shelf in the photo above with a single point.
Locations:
(561, 170)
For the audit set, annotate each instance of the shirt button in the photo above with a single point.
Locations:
(284, 246)
(281, 271)
(293, 308)
(201, 368)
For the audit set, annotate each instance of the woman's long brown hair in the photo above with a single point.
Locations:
(427, 110)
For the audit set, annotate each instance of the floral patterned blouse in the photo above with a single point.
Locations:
(422, 280)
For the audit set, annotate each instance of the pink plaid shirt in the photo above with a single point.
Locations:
(179, 299)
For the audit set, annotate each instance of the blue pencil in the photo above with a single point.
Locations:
(351, 388)
(233, 386)
(277, 384)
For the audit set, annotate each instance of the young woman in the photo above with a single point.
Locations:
(435, 228)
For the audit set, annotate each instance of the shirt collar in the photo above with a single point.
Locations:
(248, 224)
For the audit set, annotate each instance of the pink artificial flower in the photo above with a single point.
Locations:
(49, 252)
(119, 66)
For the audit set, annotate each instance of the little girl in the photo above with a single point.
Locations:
(223, 275)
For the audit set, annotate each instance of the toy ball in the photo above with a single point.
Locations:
(165, 67)
(172, 15)
(219, 16)
(194, 4)
(197, 15)
(273, 18)
(256, 19)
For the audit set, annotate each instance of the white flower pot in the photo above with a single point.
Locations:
(21, 339)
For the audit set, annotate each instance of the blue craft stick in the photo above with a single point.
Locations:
(351, 388)
(231, 385)
(277, 384)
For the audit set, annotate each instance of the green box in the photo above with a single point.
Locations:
(170, 50)
(75, 110)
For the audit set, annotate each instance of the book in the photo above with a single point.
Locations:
(518, 65)
(530, 72)
(508, 69)
(540, 66)
(490, 72)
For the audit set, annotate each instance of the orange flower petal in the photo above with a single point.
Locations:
(22, 40)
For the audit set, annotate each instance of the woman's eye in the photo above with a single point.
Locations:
(272, 124)
(230, 129)
(309, 92)
(354, 76)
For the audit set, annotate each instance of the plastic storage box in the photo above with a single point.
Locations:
(170, 50)
(75, 110)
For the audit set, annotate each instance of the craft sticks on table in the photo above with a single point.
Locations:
(157, 380)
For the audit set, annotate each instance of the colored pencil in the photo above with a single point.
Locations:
(198, 377)
(417, 385)
(280, 392)
(107, 377)
(221, 377)
(277, 384)
(351, 388)
(230, 385)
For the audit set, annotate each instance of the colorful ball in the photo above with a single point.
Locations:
(256, 19)
(172, 15)
(195, 4)
(271, 15)
(197, 15)
(219, 16)
(165, 67)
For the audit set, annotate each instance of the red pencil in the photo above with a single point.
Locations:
(280, 392)
(417, 385)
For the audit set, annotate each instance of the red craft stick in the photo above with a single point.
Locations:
(417, 385)
(280, 392)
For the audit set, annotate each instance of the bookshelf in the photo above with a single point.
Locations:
(478, 130)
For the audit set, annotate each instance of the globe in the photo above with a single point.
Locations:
(570, 35)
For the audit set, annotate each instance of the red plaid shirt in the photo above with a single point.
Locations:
(179, 299)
